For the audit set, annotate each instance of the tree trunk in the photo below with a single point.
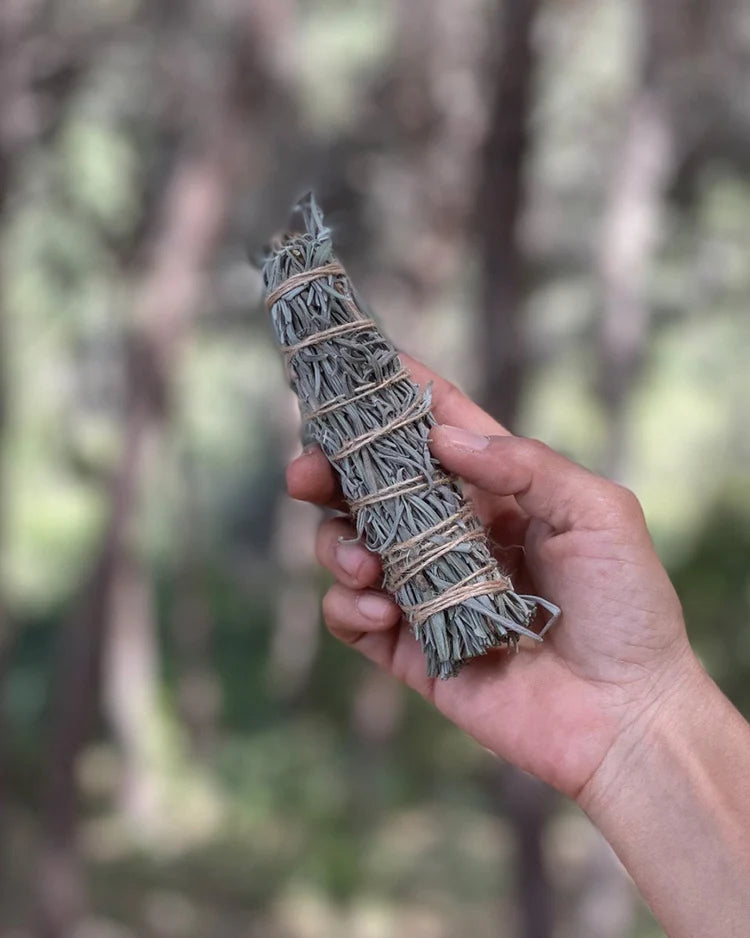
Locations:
(501, 349)
(296, 630)
(198, 688)
(675, 116)
(529, 804)
(6, 631)
(130, 695)
(16, 25)
(59, 880)
(503, 362)
(25, 115)
(194, 209)
(377, 715)
(630, 237)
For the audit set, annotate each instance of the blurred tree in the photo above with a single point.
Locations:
(714, 585)
(660, 133)
(295, 639)
(501, 352)
(412, 214)
(503, 368)
(680, 120)
(327, 801)
(36, 78)
(211, 163)
(192, 624)
(628, 242)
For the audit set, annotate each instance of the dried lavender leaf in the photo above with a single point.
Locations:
(373, 423)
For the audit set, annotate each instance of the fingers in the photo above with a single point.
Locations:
(310, 478)
(545, 484)
(370, 622)
(351, 563)
(355, 615)
(348, 613)
(449, 403)
(363, 617)
(451, 406)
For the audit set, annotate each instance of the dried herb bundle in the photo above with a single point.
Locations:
(372, 423)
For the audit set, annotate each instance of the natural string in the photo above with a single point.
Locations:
(365, 391)
(458, 593)
(397, 489)
(334, 269)
(398, 569)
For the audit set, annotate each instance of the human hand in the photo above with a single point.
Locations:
(556, 708)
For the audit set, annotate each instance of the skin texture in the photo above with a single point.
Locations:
(612, 709)
(563, 533)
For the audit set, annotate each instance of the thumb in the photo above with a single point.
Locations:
(545, 484)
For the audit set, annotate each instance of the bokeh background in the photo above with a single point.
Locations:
(549, 202)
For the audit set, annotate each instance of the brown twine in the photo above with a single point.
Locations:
(398, 569)
(409, 571)
(406, 487)
(334, 269)
(333, 369)
(462, 515)
(413, 412)
(394, 559)
(365, 391)
(461, 591)
(332, 333)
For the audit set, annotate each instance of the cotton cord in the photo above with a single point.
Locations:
(413, 412)
(302, 279)
(460, 592)
(373, 424)
(398, 567)
(399, 489)
(366, 391)
(332, 333)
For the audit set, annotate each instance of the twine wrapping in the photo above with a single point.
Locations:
(373, 423)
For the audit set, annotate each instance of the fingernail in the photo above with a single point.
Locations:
(374, 606)
(462, 439)
(350, 558)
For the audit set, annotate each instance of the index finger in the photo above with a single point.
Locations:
(449, 403)
(310, 478)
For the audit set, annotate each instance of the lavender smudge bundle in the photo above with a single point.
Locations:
(372, 422)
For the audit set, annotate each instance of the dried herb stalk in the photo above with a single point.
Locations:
(372, 423)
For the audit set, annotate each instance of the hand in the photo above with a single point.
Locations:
(557, 708)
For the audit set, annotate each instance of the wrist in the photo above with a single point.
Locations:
(663, 723)
(672, 797)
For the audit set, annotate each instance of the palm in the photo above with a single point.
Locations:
(555, 708)
(566, 697)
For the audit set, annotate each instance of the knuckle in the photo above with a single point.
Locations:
(321, 543)
(533, 450)
(330, 605)
(328, 534)
(624, 503)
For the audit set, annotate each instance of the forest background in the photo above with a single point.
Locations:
(548, 202)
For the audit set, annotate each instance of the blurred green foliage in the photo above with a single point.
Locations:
(295, 823)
